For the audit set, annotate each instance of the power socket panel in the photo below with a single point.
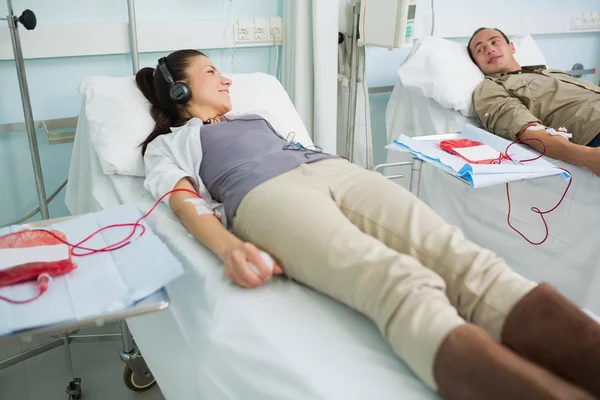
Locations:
(586, 21)
(259, 30)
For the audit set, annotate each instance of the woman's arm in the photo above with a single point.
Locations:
(209, 231)
(206, 227)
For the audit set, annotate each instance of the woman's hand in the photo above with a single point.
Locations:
(236, 261)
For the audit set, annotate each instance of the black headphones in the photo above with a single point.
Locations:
(179, 92)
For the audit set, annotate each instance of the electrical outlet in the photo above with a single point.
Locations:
(261, 29)
(587, 20)
(245, 30)
(596, 20)
(275, 29)
(259, 33)
(243, 34)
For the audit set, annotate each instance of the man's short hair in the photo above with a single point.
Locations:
(476, 32)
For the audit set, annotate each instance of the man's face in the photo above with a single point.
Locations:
(491, 52)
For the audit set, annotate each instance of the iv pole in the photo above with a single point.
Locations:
(353, 92)
(29, 21)
(135, 58)
(352, 87)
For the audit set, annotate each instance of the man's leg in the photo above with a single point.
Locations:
(294, 218)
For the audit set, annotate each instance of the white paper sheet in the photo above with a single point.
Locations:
(101, 283)
(13, 257)
(478, 153)
(480, 175)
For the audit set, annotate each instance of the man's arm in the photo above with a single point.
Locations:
(508, 117)
(560, 148)
(499, 112)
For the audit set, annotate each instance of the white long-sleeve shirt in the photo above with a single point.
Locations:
(177, 155)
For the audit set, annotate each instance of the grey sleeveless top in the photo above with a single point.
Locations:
(240, 154)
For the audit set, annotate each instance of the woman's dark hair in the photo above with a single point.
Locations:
(155, 88)
(479, 30)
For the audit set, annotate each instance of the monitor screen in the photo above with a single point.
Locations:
(412, 10)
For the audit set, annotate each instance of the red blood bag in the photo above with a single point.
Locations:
(31, 270)
(449, 146)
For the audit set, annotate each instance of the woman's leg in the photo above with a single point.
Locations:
(478, 283)
(294, 218)
(552, 331)
(538, 322)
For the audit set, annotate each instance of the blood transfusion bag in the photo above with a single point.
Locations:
(473, 152)
(27, 254)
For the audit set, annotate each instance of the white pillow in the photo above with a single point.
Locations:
(442, 69)
(527, 52)
(119, 118)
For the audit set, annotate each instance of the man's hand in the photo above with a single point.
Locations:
(236, 261)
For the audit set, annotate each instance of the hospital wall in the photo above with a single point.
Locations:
(53, 82)
(562, 51)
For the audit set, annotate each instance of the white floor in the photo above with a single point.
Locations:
(45, 377)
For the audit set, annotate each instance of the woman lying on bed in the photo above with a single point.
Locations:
(444, 303)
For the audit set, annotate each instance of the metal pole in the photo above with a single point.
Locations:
(67, 346)
(415, 176)
(353, 83)
(128, 346)
(29, 123)
(135, 59)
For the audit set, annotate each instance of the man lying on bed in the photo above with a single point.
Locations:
(444, 303)
(520, 103)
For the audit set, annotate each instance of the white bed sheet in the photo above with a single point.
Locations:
(217, 341)
(569, 259)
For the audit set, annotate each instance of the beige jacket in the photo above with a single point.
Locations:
(506, 103)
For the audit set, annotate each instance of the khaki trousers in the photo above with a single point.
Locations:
(369, 243)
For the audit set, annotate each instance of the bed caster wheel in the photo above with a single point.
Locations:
(136, 382)
(74, 389)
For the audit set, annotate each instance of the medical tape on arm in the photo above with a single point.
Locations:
(554, 132)
(200, 204)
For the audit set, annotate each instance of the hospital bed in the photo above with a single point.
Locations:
(216, 340)
(570, 258)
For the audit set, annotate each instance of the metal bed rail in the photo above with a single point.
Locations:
(415, 173)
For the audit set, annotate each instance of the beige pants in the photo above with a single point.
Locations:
(372, 245)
